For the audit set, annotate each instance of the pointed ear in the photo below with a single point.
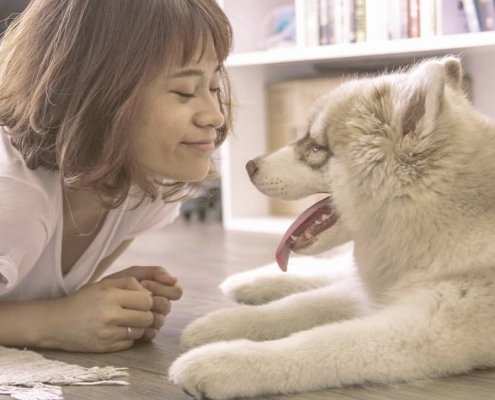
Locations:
(453, 72)
(425, 93)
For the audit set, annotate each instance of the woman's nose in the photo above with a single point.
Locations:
(210, 113)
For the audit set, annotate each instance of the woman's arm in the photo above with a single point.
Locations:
(95, 319)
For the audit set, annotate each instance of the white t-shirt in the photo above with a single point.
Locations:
(31, 223)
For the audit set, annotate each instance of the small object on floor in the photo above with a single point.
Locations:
(26, 375)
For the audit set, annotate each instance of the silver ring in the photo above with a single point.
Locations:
(129, 332)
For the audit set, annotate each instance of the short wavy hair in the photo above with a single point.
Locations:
(71, 74)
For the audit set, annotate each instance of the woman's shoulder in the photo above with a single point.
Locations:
(13, 165)
(15, 172)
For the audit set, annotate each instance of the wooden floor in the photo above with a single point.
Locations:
(201, 256)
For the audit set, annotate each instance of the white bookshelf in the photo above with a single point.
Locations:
(244, 208)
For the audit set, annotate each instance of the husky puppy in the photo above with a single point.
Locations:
(409, 166)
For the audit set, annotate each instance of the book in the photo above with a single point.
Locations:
(376, 20)
(427, 18)
(326, 22)
(472, 18)
(360, 20)
(311, 22)
(397, 19)
(451, 17)
(288, 106)
(486, 14)
(348, 21)
(413, 24)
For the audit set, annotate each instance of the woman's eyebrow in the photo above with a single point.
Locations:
(192, 72)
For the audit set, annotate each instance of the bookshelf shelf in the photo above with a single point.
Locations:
(251, 70)
(357, 51)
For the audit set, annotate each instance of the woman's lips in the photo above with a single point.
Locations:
(202, 147)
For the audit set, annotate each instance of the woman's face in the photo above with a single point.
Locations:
(180, 113)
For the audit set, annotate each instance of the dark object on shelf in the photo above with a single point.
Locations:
(207, 206)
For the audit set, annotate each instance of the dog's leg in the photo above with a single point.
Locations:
(300, 311)
(426, 336)
(265, 284)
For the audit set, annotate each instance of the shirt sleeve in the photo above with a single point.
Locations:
(24, 232)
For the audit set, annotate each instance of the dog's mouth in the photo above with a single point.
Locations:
(303, 231)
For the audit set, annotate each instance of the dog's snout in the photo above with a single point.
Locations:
(251, 168)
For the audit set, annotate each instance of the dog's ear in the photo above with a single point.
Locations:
(453, 72)
(425, 93)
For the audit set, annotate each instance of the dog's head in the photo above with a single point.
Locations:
(370, 142)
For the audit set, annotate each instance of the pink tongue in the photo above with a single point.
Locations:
(301, 224)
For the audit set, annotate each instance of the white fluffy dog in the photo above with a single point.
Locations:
(410, 169)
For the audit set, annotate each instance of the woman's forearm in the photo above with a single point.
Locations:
(101, 317)
(28, 323)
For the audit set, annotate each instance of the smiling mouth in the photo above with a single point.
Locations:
(202, 147)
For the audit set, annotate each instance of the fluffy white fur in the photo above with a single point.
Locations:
(411, 168)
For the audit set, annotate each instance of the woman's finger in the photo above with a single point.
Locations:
(131, 333)
(161, 305)
(134, 299)
(158, 321)
(151, 272)
(133, 318)
(159, 289)
(149, 334)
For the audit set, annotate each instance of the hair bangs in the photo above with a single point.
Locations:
(204, 24)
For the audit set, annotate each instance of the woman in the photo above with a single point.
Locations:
(110, 112)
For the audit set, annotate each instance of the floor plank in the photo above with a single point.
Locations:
(201, 256)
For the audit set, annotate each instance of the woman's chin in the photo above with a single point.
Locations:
(184, 176)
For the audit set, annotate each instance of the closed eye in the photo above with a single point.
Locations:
(183, 94)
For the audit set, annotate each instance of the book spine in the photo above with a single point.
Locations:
(397, 19)
(451, 17)
(300, 6)
(347, 25)
(486, 14)
(311, 23)
(360, 20)
(471, 15)
(332, 39)
(427, 19)
(376, 21)
(413, 19)
(323, 14)
(338, 14)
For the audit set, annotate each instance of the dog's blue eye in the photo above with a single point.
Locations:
(317, 147)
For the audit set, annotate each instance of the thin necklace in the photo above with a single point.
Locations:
(74, 224)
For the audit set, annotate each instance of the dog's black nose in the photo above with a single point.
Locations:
(252, 168)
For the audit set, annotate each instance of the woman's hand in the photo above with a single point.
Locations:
(163, 288)
(101, 317)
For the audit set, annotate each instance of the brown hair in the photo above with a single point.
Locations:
(71, 75)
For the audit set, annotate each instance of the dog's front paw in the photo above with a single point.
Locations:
(228, 324)
(219, 371)
(267, 284)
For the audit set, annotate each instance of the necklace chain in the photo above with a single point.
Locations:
(74, 223)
